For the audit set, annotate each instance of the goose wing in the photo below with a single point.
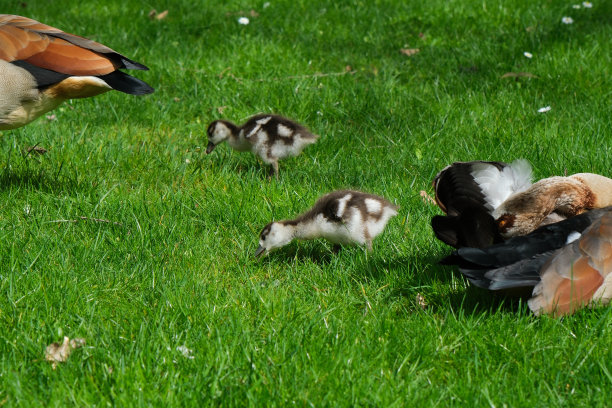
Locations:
(579, 274)
(24, 39)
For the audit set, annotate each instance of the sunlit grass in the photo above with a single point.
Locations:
(127, 235)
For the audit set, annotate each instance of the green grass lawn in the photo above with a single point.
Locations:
(126, 234)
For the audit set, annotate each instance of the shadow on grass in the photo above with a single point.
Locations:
(30, 172)
(443, 288)
(477, 301)
(317, 254)
(440, 287)
(227, 165)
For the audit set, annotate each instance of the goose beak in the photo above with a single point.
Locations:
(210, 147)
(259, 251)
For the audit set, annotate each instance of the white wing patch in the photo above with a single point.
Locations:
(254, 131)
(497, 185)
(375, 227)
(373, 206)
(257, 128)
(342, 204)
(574, 235)
(284, 131)
(263, 121)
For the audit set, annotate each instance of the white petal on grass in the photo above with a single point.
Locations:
(567, 20)
(528, 54)
(243, 21)
(587, 4)
(544, 109)
(576, 6)
(266, 4)
(186, 352)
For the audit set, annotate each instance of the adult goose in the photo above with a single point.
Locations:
(488, 202)
(42, 66)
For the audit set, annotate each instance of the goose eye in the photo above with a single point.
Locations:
(505, 221)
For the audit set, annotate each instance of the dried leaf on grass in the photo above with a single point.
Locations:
(154, 15)
(420, 300)
(36, 149)
(518, 75)
(410, 51)
(59, 353)
(251, 13)
(427, 198)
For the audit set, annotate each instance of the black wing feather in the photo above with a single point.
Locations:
(517, 262)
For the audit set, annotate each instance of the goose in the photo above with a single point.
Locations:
(488, 202)
(563, 266)
(344, 217)
(42, 66)
(468, 220)
(271, 137)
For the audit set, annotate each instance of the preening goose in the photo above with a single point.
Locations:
(487, 202)
(565, 266)
(271, 137)
(42, 66)
(342, 217)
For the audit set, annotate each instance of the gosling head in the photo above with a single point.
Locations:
(274, 235)
(218, 131)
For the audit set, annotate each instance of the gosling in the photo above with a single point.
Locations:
(271, 137)
(344, 217)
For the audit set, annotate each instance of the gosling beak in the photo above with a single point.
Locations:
(259, 251)
(210, 147)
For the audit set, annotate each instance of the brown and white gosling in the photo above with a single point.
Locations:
(342, 217)
(271, 137)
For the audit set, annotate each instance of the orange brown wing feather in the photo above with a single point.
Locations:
(25, 39)
(572, 277)
(61, 56)
(576, 291)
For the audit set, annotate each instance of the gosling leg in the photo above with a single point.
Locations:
(274, 170)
